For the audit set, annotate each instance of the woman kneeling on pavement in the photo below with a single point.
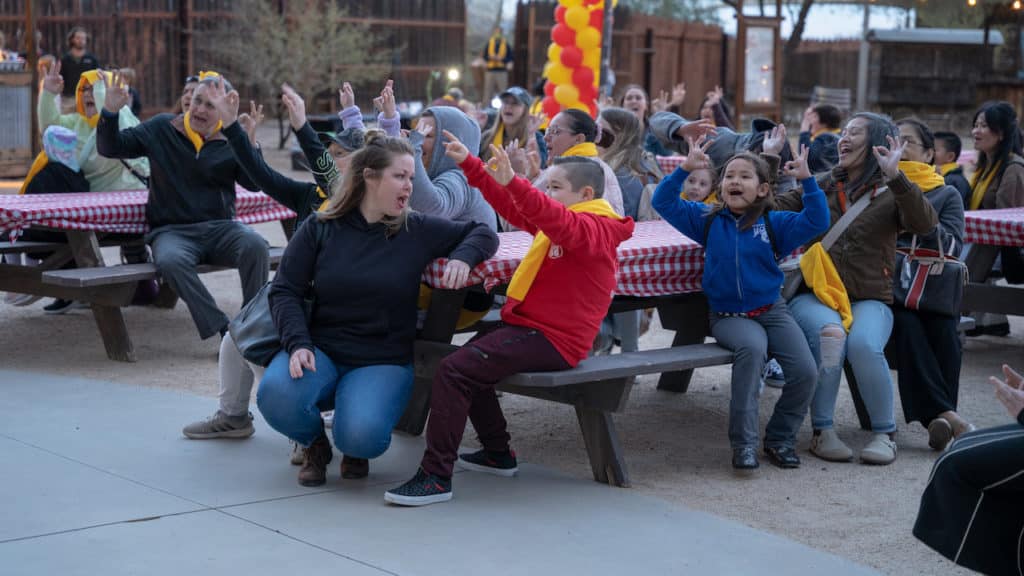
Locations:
(360, 261)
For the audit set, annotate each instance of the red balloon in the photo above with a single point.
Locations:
(551, 107)
(597, 19)
(593, 109)
(572, 57)
(549, 89)
(588, 94)
(563, 35)
(590, 2)
(582, 77)
(560, 14)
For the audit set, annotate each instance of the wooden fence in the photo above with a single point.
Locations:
(167, 40)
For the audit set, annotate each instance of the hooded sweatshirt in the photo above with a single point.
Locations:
(442, 190)
(103, 174)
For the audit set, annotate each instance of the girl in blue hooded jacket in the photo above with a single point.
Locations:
(742, 241)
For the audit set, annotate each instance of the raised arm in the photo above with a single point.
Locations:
(915, 213)
(447, 195)
(479, 176)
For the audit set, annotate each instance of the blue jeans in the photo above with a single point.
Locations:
(865, 348)
(367, 402)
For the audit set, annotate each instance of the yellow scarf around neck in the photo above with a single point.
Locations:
(825, 131)
(195, 137)
(945, 169)
(528, 268)
(499, 136)
(922, 174)
(980, 185)
(585, 149)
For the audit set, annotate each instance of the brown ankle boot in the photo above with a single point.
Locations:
(354, 468)
(315, 461)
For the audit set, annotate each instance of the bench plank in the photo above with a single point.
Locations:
(27, 246)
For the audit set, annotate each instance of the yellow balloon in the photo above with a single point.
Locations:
(559, 74)
(588, 38)
(567, 94)
(554, 53)
(592, 58)
(547, 69)
(579, 106)
(570, 3)
(577, 18)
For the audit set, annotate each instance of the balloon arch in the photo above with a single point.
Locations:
(574, 57)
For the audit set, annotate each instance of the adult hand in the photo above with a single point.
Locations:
(697, 159)
(678, 94)
(301, 358)
(774, 140)
(517, 157)
(117, 93)
(805, 123)
(797, 167)
(715, 96)
(889, 158)
(499, 166)
(696, 129)
(1010, 392)
(533, 157)
(661, 103)
(251, 121)
(532, 126)
(427, 129)
(296, 106)
(224, 103)
(456, 273)
(53, 82)
(453, 147)
(346, 96)
(387, 100)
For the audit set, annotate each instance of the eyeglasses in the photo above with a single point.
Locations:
(908, 142)
(555, 131)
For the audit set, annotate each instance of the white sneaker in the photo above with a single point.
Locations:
(827, 446)
(881, 450)
(16, 299)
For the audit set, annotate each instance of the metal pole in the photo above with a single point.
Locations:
(862, 62)
(606, 49)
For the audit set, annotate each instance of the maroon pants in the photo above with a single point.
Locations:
(464, 387)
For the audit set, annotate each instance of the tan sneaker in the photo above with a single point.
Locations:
(825, 444)
(881, 450)
(220, 425)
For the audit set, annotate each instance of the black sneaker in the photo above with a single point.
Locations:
(58, 306)
(423, 489)
(497, 463)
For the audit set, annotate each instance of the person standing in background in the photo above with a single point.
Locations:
(498, 56)
(75, 61)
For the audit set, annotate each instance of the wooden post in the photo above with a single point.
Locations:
(186, 67)
(33, 65)
(606, 48)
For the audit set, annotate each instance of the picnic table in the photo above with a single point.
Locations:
(658, 268)
(988, 230)
(88, 220)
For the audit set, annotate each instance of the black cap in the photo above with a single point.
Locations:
(519, 94)
(350, 139)
(761, 125)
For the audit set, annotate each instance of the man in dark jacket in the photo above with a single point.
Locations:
(947, 155)
(76, 60)
(191, 206)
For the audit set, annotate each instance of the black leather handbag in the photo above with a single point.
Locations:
(929, 280)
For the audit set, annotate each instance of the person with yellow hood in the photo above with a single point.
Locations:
(927, 344)
(191, 205)
(863, 257)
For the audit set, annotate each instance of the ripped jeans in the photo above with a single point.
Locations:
(865, 348)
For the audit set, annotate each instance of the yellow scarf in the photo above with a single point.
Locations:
(980, 185)
(821, 276)
(585, 149)
(499, 136)
(528, 268)
(497, 49)
(195, 137)
(922, 174)
(37, 165)
(947, 168)
(86, 80)
(825, 131)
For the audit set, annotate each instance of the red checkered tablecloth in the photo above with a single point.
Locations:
(123, 212)
(668, 164)
(995, 227)
(656, 261)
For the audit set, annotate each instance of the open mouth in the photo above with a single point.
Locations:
(735, 193)
(401, 201)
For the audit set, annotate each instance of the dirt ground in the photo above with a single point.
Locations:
(676, 445)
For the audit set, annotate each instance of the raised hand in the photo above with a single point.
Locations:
(797, 167)
(1010, 392)
(346, 96)
(499, 166)
(225, 103)
(715, 96)
(774, 140)
(251, 121)
(426, 129)
(453, 147)
(533, 125)
(518, 158)
(697, 159)
(805, 122)
(296, 106)
(301, 358)
(53, 82)
(660, 103)
(387, 100)
(696, 129)
(117, 93)
(456, 273)
(678, 94)
(889, 157)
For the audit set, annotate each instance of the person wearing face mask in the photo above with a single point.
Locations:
(191, 205)
(927, 344)
(848, 314)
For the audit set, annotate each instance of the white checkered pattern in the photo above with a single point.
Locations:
(112, 211)
(995, 227)
(656, 261)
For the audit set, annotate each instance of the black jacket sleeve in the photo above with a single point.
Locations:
(292, 285)
(301, 197)
(112, 142)
(325, 171)
(470, 242)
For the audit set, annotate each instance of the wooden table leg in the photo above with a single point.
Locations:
(438, 326)
(603, 448)
(689, 318)
(109, 319)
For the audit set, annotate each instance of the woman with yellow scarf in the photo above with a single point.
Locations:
(928, 344)
(574, 133)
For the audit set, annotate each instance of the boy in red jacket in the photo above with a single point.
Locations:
(556, 301)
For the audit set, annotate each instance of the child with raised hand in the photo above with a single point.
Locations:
(556, 301)
(742, 281)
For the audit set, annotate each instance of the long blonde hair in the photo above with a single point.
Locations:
(377, 154)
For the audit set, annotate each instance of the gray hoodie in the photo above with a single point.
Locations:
(443, 190)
